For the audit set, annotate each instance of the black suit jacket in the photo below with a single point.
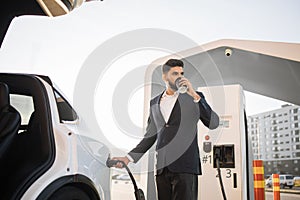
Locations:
(177, 143)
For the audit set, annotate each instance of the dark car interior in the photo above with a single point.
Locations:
(27, 149)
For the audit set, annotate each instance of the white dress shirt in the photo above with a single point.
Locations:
(167, 103)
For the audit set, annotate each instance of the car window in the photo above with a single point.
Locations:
(65, 110)
(24, 104)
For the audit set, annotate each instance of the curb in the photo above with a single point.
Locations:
(284, 191)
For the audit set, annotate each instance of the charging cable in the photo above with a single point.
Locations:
(139, 194)
(219, 173)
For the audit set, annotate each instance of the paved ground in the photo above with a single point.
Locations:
(124, 190)
(283, 196)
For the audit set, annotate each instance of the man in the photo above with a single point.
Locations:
(173, 124)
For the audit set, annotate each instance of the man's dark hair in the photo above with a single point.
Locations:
(171, 63)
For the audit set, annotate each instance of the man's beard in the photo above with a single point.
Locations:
(172, 86)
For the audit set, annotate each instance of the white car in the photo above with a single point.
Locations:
(124, 177)
(285, 180)
(43, 155)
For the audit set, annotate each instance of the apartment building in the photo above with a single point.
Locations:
(275, 139)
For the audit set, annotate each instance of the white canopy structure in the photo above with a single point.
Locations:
(263, 67)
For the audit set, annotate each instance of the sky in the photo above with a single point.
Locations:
(60, 47)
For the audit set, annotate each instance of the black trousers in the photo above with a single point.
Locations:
(176, 186)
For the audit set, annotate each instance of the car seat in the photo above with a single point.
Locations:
(10, 121)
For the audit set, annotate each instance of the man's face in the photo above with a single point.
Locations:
(172, 75)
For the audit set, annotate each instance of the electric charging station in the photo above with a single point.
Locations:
(226, 147)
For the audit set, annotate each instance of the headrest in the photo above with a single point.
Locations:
(4, 95)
